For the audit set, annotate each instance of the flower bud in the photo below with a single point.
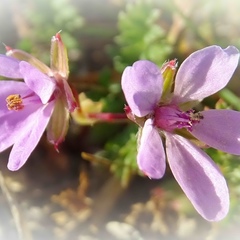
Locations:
(59, 58)
(168, 72)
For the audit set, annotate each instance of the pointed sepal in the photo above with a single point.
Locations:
(168, 71)
(59, 57)
(58, 124)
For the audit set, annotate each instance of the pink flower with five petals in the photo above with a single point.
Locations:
(166, 114)
(42, 101)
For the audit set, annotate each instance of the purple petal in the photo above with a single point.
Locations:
(29, 136)
(142, 87)
(219, 129)
(204, 73)
(14, 122)
(11, 124)
(9, 67)
(151, 155)
(39, 82)
(199, 177)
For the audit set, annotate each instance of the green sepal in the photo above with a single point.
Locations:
(59, 57)
(58, 125)
(168, 72)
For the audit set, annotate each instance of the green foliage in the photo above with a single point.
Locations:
(230, 98)
(123, 151)
(109, 91)
(58, 15)
(141, 36)
(229, 165)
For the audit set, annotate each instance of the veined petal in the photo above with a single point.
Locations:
(142, 86)
(13, 124)
(39, 82)
(151, 155)
(199, 177)
(204, 73)
(219, 129)
(29, 136)
(9, 67)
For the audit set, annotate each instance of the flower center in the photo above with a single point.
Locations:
(170, 117)
(14, 102)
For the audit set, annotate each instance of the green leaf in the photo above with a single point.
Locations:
(122, 150)
(140, 35)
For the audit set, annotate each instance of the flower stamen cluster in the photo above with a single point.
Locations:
(170, 117)
(14, 102)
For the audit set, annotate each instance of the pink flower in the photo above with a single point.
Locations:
(42, 101)
(167, 115)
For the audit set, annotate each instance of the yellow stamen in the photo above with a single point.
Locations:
(14, 102)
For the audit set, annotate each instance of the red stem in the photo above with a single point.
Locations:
(108, 117)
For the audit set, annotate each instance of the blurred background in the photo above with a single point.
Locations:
(91, 189)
